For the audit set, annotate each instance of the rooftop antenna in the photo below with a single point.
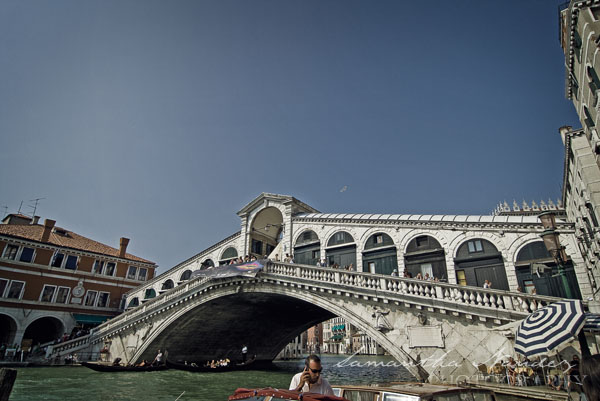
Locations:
(21, 205)
(34, 206)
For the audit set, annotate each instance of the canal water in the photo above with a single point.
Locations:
(82, 384)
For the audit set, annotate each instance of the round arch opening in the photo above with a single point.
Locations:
(478, 260)
(185, 275)
(207, 264)
(307, 249)
(537, 272)
(425, 256)
(266, 232)
(8, 329)
(341, 250)
(228, 255)
(167, 285)
(44, 330)
(133, 303)
(380, 255)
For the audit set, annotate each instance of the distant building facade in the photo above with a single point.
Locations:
(52, 280)
(314, 339)
(580, 40)
(464, 250)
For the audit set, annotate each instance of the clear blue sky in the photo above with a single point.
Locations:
(159, 120)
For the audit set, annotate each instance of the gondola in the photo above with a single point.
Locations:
(200, 368)
(100, 367)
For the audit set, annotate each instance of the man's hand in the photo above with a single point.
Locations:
(304, 378)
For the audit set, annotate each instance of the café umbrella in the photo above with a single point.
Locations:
(549, 327)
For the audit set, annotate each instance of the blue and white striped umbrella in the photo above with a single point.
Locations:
(549, 327)
(592, 322)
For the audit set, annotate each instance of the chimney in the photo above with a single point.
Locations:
(35, 220)
(123, 242)
(48, 226)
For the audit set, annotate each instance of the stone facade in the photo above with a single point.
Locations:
(494, 243)
(440, 331)
(580, 39)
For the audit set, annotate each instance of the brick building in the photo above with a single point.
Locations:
(52, 279)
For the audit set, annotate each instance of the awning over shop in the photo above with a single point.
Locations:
(90, 319)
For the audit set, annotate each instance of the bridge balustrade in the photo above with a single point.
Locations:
(466, 295)
(463, 298)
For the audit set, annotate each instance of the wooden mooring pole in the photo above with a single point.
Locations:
(7, 379)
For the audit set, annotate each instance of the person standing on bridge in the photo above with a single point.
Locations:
(310, 379)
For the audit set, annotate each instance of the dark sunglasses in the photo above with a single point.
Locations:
(316, 370)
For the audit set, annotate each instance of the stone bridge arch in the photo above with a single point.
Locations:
(267, 332)
(266, 314)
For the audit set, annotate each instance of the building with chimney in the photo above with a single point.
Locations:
(580, 40)
(53, 280)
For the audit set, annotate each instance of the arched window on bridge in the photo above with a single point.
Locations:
(307, 250)
(341, 250)
(185, 276)
(150, 293)
(167, 285)
(133, 303)
(44, 329)
(424, 254)
(228, 254)
(206, 264)
(8, 329)
(478, 260)
(535, 257)
(379, 255)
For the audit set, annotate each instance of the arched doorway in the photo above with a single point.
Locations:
(44, 330)
(341, 249)
(206, 264)
(379, 255)
(546, 281)
(167, 285)
(8, 328)
(307, 250)
(229, 254)
(266, 232)
(424, 254)
(478, 260)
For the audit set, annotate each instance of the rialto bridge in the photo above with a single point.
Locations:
(439, 331)
(456, 249)
(453, 321)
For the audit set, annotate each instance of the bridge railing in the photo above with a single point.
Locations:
(461, 296)
(142, 310)
(466, 295)
(67, 347)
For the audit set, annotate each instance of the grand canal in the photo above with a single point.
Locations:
(82, 384)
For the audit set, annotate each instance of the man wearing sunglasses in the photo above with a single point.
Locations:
(310, 380)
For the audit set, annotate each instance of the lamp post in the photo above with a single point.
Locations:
(552, 243)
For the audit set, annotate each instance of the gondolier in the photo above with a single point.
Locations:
(244, 353)
(158, 359)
